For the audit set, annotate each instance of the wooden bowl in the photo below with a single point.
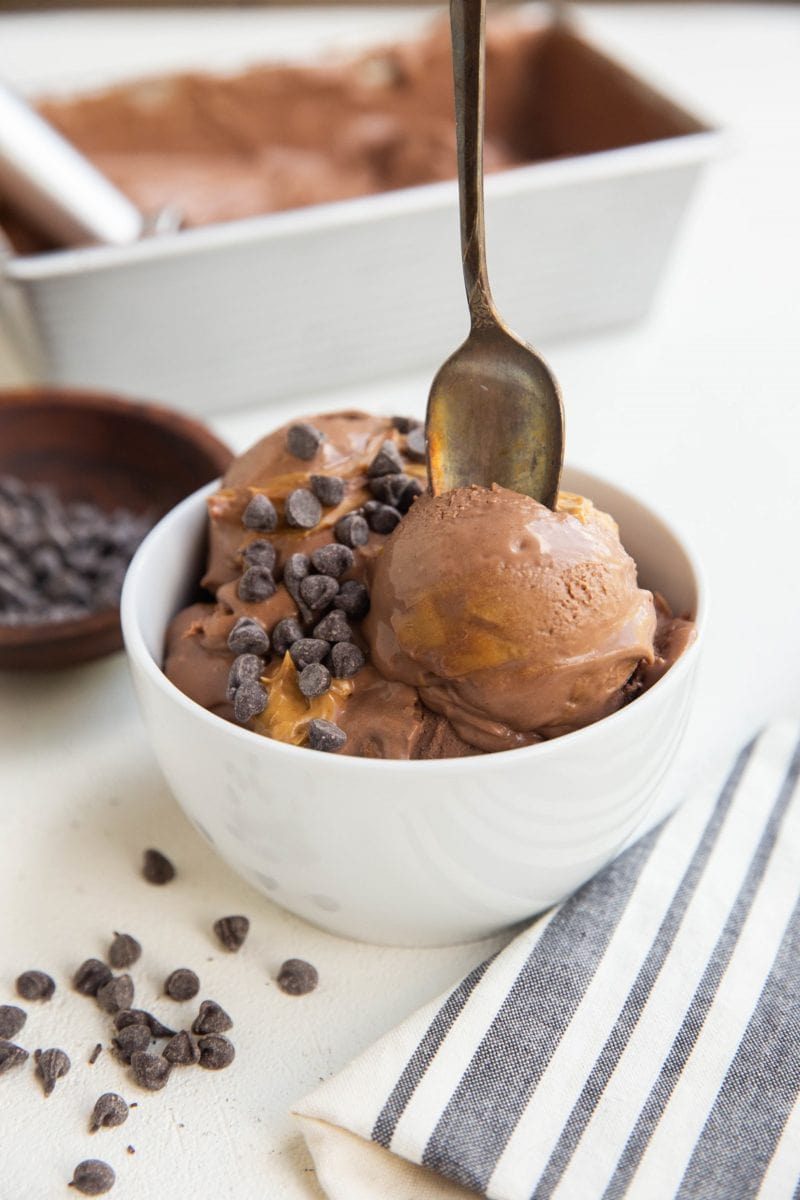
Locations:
(115, 453)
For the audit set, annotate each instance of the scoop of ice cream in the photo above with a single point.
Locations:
(513, 621)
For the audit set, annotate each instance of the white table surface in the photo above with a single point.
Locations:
(696, 410)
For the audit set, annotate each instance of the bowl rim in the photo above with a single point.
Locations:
(141, 657)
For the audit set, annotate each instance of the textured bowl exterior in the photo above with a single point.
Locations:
(420, 853)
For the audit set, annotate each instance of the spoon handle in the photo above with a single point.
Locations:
(468, 34)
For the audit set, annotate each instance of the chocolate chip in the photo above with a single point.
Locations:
(384, 519)
(138, 1016)
(353, 599)
(150, 1071)
(334, 628)
(318, 591)
(386, 462)
(302, 509)
(124, 950)
(285, 634)
(410, 492)
(389, 488)
(314, 680)
(259, 553)
(92, 1177)
(245, 668)
(109, 1111)
(157, 868)
(90, 977)
(182, 1050)
(329, 489)
(130, 1039)
(333, 559)
(415, 444)
(346, 660)
(297, 977)
(325, 736)
(182, 984)
(51, 1065)
(303, 440)
(308, 650)
(11, 1056)
(406, 424)
(232, 931)
(211, 1019)
(216, 1052)
(250, 700)
(352, 530)
(256, 584)
(116, 994)
(35, 985)
(260, 514)
(296, 568)
(248, 636)
(11, 1020)
(93, 1057)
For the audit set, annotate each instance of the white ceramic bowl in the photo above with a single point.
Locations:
(411, 853)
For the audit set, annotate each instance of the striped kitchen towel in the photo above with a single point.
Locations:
(641, 1040)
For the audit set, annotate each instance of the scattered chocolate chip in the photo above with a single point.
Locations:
(90, 977)
(346, 660)
(314, 680)
(51, 1065)
(352, 530)
(303, 440)
(211, 1019)
(308, 650)
(181, 1050)
(11, 1056)
(182, 984)
(35, 985)
(93, 1057)
(406, 424)
(150, 1071)
(384, 519)
(329, 489)
(389, 488)
(248, 636)
(109, 1110)
(285, 634)
(256, 584)
(325, 735)
(250, 700)
(318, 591)
(116, 994)
(138, 1016)
(130, 1039)
(232, 931)
(244, 668)
(410, 492)
(297, 977)
(131, 1149)
(334, 627)
(157, 867)
(333, 559)
(260, 514)
(93, 1177)
(302, 509)
(386, 462)
(11, 1020)
(353, 599)
(216, 1053)
(259, 553)
(124, 950)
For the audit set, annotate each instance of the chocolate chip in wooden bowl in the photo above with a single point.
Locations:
(352, 530)
(232, 931)
(12, 1020)
(35, 985)
(250, 700)
(318, 591)
(109, 1111)
(93, 1177)
(333, 559)
(260, 553)
(308, 650)
(346, 660)
(325, 736)
(245, 667)
(256, 584)
(248, 636)
(333, 628)
(130, 1039)
(415, 444)
(90, 976)
(384, 518)
(352, 599)
(260, 514)
(216, 1052)
(11, 1056)
(116, 994)
(157, 868)
(182, 1050)
(297, 977)
(124, 951)
(314, 680)
(302, 509)
(182, 984)
(386, 462)
(304, 440)
(151, 1071)
(51, 1065)
(329, 489)
(212, 1018)
(287, 631)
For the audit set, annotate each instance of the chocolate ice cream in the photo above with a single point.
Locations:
(354, 613)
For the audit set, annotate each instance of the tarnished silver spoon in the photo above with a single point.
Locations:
(494, 411)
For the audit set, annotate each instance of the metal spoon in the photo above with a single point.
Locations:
(494, 410)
